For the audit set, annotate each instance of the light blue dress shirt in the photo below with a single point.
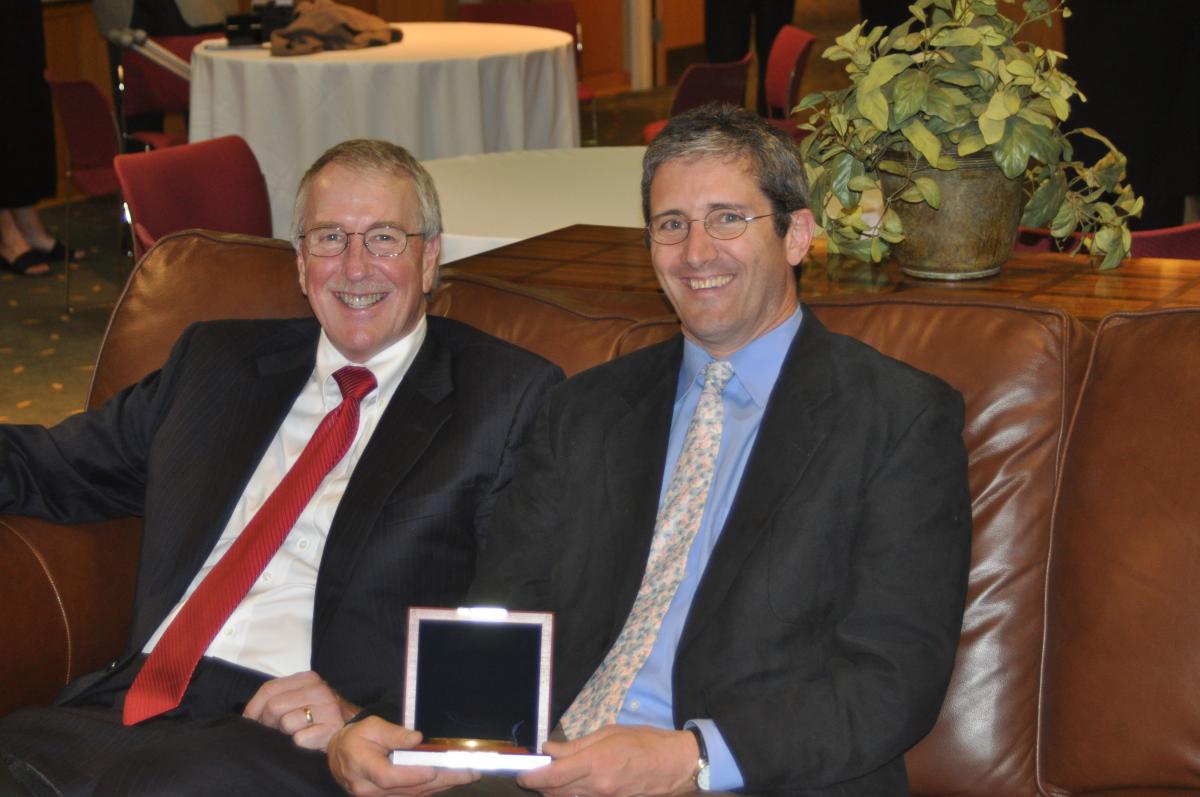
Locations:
(756, 367)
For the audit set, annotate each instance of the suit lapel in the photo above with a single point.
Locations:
(254, 395)
(266, 392)
(635, 449)
(794, 426)
(408, 425)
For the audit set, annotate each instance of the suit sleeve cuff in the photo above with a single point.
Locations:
(724, 772)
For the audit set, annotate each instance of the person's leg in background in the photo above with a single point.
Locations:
(727, 33)
(769, 18)
(726, 29)
(16, 252)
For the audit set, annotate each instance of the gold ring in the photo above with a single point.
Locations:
(308, 717)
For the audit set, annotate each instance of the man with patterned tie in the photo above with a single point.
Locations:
(755, 537)
(302, 482)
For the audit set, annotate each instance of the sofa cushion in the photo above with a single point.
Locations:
(1019, 367)
(190, 276)
(67, 594)
(1120, 707)
(575, 329)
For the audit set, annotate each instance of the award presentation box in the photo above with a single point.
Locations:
(477, 686)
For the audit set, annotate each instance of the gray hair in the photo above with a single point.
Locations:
(369, 156)
(730, 132)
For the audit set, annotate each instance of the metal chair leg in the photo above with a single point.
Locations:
(68, 246)
(595, 125)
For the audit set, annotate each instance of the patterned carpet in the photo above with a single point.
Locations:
(46, 353)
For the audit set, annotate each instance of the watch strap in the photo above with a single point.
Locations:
(702, 763)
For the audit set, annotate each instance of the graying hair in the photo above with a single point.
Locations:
(371, 156)
(730, 132)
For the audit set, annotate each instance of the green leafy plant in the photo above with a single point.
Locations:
(951, 82)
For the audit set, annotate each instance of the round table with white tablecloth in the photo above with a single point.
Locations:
(445, 89)
(496, 199)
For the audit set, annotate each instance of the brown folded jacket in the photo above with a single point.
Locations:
(326, 25)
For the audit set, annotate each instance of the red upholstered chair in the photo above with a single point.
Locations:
(92, 143)
(702, 83)
(149, 88)
(214, 185)
(556, 14)
(1181, 242)
(785, 67)
(1034, 239)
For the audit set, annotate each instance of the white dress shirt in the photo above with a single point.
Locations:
(271, 629)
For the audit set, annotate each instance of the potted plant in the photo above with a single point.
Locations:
(932, 99)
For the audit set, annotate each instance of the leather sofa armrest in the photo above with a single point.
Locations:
(67, 593)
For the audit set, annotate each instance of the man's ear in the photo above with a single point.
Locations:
(799, 235)
(300, 268)
(429, 263)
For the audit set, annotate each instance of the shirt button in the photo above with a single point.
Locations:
(634, 705)
(302, 544)
(229, 631)
(267, 577)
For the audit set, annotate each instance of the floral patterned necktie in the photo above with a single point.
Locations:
(678, 520)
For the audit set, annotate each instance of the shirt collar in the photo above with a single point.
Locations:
(756, 365)
(388, 366)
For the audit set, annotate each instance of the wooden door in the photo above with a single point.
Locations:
(678, 26)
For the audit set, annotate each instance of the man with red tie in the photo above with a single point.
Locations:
(302, 482)
(754, 536)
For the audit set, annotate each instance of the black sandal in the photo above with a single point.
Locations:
(59, 251)
(24, 262)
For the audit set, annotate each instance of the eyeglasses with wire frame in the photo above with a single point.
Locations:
(382, 240)
(724, 224)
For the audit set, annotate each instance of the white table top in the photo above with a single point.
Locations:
(422, 41)
(495, 199)
(446, 89)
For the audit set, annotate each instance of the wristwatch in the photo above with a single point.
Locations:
(702, 776)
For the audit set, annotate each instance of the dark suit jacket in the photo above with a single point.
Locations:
(179, 447)
(823, 631)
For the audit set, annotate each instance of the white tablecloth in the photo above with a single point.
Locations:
(496, 199)
(447, 88)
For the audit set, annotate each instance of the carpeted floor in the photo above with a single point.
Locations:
(46, 353)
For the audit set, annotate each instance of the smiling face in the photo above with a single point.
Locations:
(365, 303)
(727, 293)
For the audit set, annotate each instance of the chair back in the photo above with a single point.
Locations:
(90, 127)
(214, 185)
(703, 83)
(147, 87)
(188, 277)
(1181, 242)
(1034, 239)
(785, 66)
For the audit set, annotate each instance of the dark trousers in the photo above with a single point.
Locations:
(204, 747)
(727, 32)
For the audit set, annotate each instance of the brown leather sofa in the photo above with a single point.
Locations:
(1078, 659)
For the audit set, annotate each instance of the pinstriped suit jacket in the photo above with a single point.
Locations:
(179, 447)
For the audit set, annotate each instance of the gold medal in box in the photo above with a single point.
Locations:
(478, 745)
(477, 686)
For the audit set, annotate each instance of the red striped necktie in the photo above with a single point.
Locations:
(164, 677)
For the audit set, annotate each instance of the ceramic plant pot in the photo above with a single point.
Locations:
(971, 234)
